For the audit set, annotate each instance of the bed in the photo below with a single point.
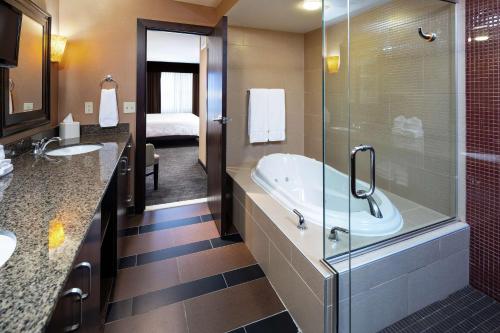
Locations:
(165, 126)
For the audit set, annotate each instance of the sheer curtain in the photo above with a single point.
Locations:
(176, 92)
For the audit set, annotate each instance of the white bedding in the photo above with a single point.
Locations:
(168, 124)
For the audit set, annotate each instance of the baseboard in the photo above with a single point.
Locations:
(202, 165)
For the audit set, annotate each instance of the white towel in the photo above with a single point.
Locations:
(108, 109)
(257, 115)
(2, 153)
(11, 103)
(5, 162)
(276, 115)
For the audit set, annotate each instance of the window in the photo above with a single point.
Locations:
(176, 92)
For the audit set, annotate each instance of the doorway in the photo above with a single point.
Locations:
(181, 112)
(175, 118)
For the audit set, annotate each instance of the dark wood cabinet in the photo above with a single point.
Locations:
(78, 307)
(83, 300)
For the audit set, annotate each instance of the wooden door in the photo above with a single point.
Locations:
(216, 124)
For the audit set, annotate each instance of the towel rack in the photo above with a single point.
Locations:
(109, 78)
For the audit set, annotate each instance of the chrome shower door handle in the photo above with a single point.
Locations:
(362, 194)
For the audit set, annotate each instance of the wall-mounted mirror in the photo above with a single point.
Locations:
(25, 80)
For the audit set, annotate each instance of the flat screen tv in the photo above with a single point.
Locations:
(10, 31)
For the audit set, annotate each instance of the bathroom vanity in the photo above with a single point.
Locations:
(64, 212)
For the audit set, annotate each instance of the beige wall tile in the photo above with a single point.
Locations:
(264, 59)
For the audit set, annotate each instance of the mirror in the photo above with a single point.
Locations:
(25, 80)
(25, 88)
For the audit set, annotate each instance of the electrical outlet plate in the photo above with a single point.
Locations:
(128, 107)
(28, 107)
(89, 107)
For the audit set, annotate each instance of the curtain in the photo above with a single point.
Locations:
(154, 92)
(176, 92)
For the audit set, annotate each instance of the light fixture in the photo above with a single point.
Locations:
(481, 38)
(57, 46)
(312, 5)
(333, 64)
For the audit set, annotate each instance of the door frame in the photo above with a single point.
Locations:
(143, 25)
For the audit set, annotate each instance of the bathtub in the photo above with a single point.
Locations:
(296, 182)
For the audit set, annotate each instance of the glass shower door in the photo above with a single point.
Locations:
(389, 142)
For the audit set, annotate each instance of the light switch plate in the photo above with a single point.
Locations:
(28, 107)
(128, 107)
(89, 107)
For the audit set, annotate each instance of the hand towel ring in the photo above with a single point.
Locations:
(109, 78)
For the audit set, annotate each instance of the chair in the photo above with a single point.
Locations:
(152, 159)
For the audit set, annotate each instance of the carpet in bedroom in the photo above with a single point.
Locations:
(181, 177)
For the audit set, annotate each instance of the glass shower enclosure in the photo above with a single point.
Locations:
(389, 134)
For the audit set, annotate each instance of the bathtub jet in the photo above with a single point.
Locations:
(296, 182)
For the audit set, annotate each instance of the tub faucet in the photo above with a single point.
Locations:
(334, 233)
(374, 208)
(302, 221)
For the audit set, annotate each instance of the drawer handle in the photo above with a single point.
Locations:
(78, 293)
(87, 266)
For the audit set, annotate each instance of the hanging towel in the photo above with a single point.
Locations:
(276, 115)
(108, 109)
(11, 103)
(257, 115)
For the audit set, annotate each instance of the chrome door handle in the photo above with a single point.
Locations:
(88, 266)
(78, 293)
(222, 120)
(362, 194)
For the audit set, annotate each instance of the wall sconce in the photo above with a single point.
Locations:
(333, 64)
(57, 47)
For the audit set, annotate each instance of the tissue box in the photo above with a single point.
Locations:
(69, 130)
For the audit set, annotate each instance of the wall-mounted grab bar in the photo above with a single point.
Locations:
(428, 37)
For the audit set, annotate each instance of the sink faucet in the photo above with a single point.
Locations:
(374, 208)
(41, 146)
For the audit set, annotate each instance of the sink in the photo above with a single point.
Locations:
(74, 150)
(7, 246)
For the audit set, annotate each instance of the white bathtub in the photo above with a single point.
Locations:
(296, 182)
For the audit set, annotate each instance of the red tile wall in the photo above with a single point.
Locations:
(483, 137)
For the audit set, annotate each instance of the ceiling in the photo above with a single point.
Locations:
(209, 3)
(288, 15)
(280, 15)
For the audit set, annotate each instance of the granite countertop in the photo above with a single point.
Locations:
(41, 193)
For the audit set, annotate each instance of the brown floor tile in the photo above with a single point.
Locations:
(169, 319)
(163, 215)
(215, 261)
(232, 307)
(142, 279)
(163, 239)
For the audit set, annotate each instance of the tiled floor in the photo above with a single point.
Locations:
(467, 310)
(177, 275)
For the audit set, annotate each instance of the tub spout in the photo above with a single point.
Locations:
(374, 208)
(302, 221)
